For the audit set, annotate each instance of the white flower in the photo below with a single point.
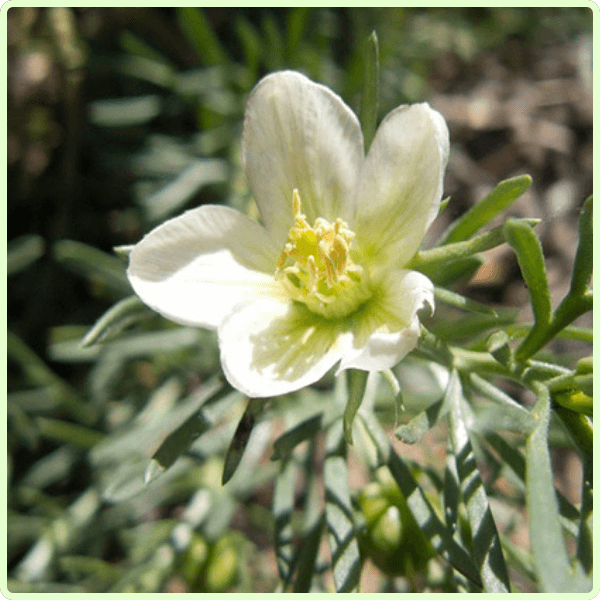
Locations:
(322, 281)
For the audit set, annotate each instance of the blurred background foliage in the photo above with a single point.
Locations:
(121, 117)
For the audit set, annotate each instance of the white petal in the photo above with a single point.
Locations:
(299, 134)
(270, 348)
(401, 183)
(390, 329)
(196, 268)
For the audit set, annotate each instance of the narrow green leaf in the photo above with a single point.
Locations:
(251, 43)
(307, 556)
(22, 252)
(304, 430)
(530, 256)
(69, 433)
(584, 259)
(457, 271)
(458, 301)
(585, 536)
(296, 26)
(426, 517)
(472, 325)
(436, 258)
(283, 509)
(430, 524)
(343, 541)
(547, 542)
(451, 496)
(357, 382)
(502, 399)
(413, 431)
(188, 421)
(119, 316)
(125, 112)
(502, 196)
(486, 547)
(93, 263)
(39, 374)
(197, 29)
(176, 194)
(582, 334)
(241, 437)
(370, 90)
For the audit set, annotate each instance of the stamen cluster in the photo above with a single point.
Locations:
(316, 266)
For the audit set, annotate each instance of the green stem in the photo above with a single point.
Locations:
(567, 311)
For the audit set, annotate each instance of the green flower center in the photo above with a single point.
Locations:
(316, 267)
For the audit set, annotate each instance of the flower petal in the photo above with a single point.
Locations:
(196, 268)
(270, 348)
(401, 183)
(390, 329)
(299, 134)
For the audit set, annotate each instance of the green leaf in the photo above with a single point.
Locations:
(486, 547)
(509, 408)
(458, 301)
(502, 196)
(530, 257)
(370, 91)
(182, 425)
(241, 437)
(119, 316)
(197, 30)
(432, 260)
(304, 430)
(585, 537)
(584, 259)
(547, 542)
(430, 524)
(94, 264)
(413, 431)
(357, 383)
(296, 26)
(23, 251)
(343, 541)
(283, 509)
(125, 112)
(176, 194)
(457, 271)
(426, 517)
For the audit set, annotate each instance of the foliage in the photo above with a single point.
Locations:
(133, 466)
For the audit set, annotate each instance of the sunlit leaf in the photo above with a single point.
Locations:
(343, 541)
(486, 547)
(283, 509)
(500, 198)
(547, 541)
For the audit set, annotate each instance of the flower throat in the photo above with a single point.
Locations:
(316, 267)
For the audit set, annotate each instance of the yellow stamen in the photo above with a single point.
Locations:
(316, 266)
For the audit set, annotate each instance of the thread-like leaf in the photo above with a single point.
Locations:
(241, 437)
(528, 249)
(198, 31)
(357, 382)
(370, 90)
(584, 259)
(502, 196)
(119, 316)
